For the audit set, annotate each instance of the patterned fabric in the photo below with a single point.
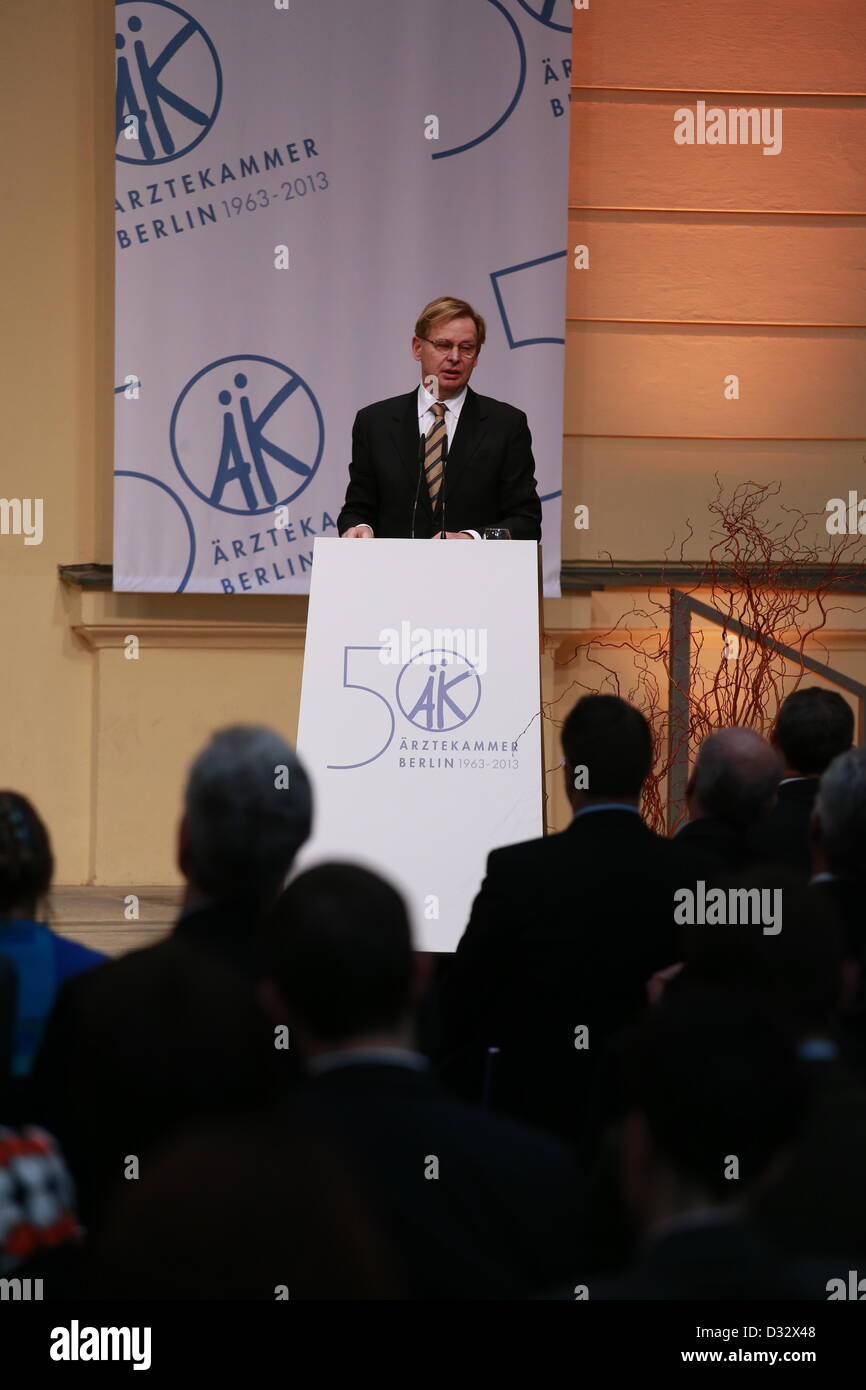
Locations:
(434, 451)
(37, 1198)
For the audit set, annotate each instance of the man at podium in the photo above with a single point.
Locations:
(442, 460)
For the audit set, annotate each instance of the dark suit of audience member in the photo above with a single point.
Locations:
(782, 837)
(475, 1206)
(813, 1205)
(712, 847)
(240, 1209)
(705, 1259)
(847, 895)
(140, 1046)
(838, 844)
(708, 1080)
(563, 935)
(812, 728)
(175, 1030)
(816, 1208)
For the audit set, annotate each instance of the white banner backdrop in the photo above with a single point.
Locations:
(295, 180)
(420, 716)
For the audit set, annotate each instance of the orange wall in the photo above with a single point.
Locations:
(711, 260)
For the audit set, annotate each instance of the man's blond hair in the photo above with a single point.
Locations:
(445, 307)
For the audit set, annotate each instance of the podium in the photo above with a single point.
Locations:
(420, 722)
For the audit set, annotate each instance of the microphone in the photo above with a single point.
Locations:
(422, 445)
(442, 486)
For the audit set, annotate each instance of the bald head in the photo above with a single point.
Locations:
(735, 777)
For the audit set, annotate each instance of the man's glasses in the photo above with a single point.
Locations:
(443, 346)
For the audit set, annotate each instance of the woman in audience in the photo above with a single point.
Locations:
(41, 959)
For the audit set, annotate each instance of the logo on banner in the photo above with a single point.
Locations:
(247, 434)
(168, 82)
(556, 71)
(549, 11)
(438, 690)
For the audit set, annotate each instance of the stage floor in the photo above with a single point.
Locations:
(95, 916)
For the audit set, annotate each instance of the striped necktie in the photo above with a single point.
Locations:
(434, 450)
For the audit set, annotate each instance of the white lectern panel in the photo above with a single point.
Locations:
(420, 711)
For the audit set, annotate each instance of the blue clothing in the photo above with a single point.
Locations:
(43, 962)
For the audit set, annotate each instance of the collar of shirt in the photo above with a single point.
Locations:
(357, 1056)
(452, 411)
(606, 806)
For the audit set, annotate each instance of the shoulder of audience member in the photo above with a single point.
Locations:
(73, 957)
(512, 856)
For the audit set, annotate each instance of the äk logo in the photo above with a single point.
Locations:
(556, 14)
(438, 690)
(247, 434)
(168, 82)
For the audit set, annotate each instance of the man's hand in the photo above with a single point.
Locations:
(452, 536)
(362, 532)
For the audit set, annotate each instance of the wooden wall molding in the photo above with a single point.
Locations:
(186, 635)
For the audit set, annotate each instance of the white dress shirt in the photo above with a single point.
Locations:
(426, 418)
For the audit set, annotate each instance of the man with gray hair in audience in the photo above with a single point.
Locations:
(174, 1031)
(733, 785)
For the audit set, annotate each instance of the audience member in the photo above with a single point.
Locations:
(368, 1163)
(563, 935)
(731, 789)
(8, 1010)
(258, 1071)
(475, 1205)
(42, 960)
(812, 728)
(838, 844)
(241, 1211)
(815, 1210)
(713, 1097)
(38, 1224)
(174, 1030)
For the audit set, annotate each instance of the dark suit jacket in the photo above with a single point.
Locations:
(716, 1260)
(848, 898)
(782, 836)
(564, 932)
(504, 1210)
(151, 1040)
(817, 1204)
(497, 1219)
(489, 475)
(711, 847)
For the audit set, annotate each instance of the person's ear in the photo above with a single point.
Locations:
(416, 349)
